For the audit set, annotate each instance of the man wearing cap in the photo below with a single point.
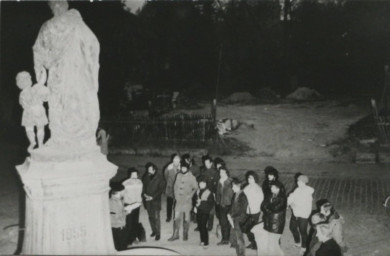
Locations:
(300, 201)
(118, 217)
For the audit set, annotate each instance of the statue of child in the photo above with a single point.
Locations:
(31, 99)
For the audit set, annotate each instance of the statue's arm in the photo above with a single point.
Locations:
(39, 54)
(43, 76)
(23, 101)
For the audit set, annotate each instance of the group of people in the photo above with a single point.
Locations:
(242, 207)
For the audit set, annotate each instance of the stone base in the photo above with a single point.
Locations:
(67, 210)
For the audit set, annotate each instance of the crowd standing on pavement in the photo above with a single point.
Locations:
(242, 207)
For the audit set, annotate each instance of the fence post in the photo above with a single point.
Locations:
(182, 129)
(214, 118)
(214, 111)
(166, 129)
(203, 129)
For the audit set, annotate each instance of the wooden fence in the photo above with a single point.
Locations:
(188, 130)
(383, 125)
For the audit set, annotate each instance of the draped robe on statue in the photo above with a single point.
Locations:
(70, 51)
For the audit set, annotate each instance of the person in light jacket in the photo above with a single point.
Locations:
(327, 215)
(170, 175)
(300, 201)
(255, 197)
(184, 189)
(132, 199)
(329, 246)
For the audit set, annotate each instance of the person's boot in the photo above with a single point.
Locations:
(176, 229)
(186, 226)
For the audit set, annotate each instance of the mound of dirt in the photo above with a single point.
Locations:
(304, 94)
(241, 98)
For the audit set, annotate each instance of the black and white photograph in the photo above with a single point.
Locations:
(195, 127)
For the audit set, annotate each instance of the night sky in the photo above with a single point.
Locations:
(131, 48)
(174, 45)
(20, 24)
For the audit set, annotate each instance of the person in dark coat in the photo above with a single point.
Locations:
(274, 208)
(203, 204)
(218, 163)
(154, 186)
(237, 216)
(211, 176)
(170, 173)
(271, 174)
(328, 246)
(223, 200)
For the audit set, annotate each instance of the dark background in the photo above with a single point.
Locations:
(336, 48)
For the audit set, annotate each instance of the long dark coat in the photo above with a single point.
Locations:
(154, 186)
(274, 209)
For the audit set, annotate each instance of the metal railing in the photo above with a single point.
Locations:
(179, 130)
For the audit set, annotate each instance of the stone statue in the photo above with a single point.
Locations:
(31, 99)
(69, 50)
(69, 172)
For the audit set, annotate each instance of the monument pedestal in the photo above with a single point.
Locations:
(67, 209)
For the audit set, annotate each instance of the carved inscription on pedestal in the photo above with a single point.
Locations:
(73, 233)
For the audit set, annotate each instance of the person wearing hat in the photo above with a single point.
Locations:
(118, 217)
(300, 201)
(203, 203)
(184, 189)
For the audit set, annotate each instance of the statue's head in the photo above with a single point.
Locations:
(23, 80)
(58, 7)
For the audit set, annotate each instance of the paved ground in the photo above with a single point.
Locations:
(356, 190)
